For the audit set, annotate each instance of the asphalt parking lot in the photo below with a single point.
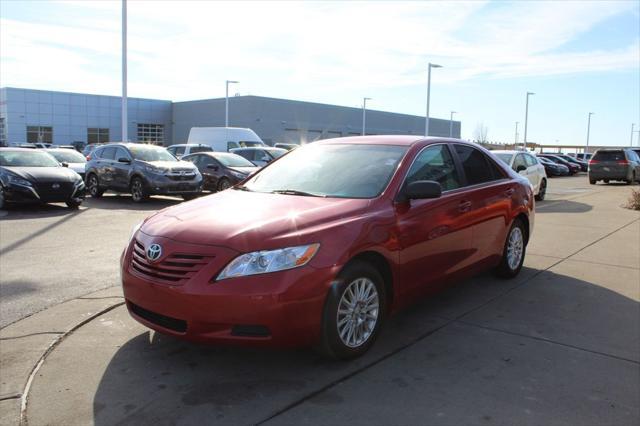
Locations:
(560, 344)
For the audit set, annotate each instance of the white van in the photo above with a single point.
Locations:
(224, 138)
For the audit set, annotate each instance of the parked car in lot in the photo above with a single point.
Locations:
(553, 169)
(221, 170)
(573, 168)
(260, 156)
(69, 157)
(224, 139)
(30, 175)
(528, 166)
(322, 245)
(287, 146)
(181, 150)
(584, 157)
(614, 164)
(584, 165)
(88, 150)
(141, 170)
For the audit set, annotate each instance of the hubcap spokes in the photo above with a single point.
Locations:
(515, 248)
(358, 312)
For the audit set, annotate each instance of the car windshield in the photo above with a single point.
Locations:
(195, 149)
(331, 170)
(150, 153)
(276, 152)
(68, 156)
(233, 160)
(27, 159)
(505, 157)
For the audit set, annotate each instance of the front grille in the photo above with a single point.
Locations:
(174, 269)
(46, 190)
(188, 176)
(174, 324)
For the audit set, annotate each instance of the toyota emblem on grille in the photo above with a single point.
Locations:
(55, 186)
(154, 251)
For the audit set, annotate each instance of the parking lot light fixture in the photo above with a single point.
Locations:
(364, 113)
(226, 102)
(451, 123)
(526, 119)
(586, 149)
(426, 124)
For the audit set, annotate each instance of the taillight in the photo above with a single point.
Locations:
(593, 162)
(623, 162)
(88, 158)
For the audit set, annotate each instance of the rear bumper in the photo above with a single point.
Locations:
(611, 174)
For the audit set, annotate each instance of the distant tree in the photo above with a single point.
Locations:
(480, 133)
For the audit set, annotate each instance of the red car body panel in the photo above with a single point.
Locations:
(426, 244)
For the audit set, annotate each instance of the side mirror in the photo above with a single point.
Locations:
(422, 189)
(64, 164)
(521, 168)
(212, 167)
(124, 160)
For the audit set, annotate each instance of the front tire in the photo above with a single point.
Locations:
(74, 203)
(592, 181)
(354, 312)
(514, 250)
(224, 184)
(138, 191)
(542, 191)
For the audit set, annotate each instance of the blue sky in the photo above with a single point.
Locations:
(576, 56)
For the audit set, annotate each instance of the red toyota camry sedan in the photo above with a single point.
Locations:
(320, 246)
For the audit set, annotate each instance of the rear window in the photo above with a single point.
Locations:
(477, 167)
(609, 156)
(195, 149)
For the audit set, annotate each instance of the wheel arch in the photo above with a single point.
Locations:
(381, 263)
(527, 227)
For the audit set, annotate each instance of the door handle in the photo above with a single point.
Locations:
(464, 206)
(509, 192)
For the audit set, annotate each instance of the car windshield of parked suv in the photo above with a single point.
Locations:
(150, 153)
(195, 149)
(330, 170)
(68, 156)
(277, 152)
(505, 157)
(27, 159)
(233, 160)
(609, 156)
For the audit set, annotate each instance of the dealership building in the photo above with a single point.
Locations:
(28, 116)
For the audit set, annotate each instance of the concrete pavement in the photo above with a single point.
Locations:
(560, 344)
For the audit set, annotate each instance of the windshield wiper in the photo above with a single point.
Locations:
(296, 192)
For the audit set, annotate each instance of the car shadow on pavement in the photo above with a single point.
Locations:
(484, 349)
(124, 202)
(563, 206)
(32, 210)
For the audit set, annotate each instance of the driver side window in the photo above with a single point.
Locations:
(435, 163)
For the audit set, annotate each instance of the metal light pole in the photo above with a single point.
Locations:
(451, 123)
(631, 141)
(226, 102)
(426, 124)
(515, 144)
(526, 119)
(364, 113)
(586, 149)
(125, 124)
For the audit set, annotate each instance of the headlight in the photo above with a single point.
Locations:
(238, 174)
(260, 262)
(154, 169)
(79, 183)
(133, 232)
(17, 180)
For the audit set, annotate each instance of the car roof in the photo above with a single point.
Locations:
(508, 151)
(187, 144)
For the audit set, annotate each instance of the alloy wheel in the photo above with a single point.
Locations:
(93, 185)
(358, 312)
(515, 248)
(136, 190)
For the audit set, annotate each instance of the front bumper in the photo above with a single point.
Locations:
(281, 308)
(163, 185)
(42, 193)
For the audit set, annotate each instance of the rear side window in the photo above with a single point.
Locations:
(530, 160)
(231, 145)
(108, 153)
(179, 150)
(435, 163)
(122, 153)
(519, 161)
(477, 167)
(609, 156)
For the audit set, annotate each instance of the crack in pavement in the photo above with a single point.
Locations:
(31, 334)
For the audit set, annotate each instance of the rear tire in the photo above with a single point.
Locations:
(138, 191)
(188, 197)
(542, 191)
(606, 181)
(74, 203)
(353, 312)
(2, 202)
(93, 185)
(592, 181)
(514, 251)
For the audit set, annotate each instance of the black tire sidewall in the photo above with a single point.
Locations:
(331, 344)
(143, 193)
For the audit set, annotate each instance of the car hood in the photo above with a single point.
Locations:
(77, 167)
(44, 174)
(245, 170)
(249, 221)
(180, 165)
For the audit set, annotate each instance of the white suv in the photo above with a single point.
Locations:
(527, 165)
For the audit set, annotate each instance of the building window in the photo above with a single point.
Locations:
(151, 133)
(37, 134)
(3, 135)
(96, 135)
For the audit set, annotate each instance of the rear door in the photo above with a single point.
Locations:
(434, 235)
(105, 165)
(534, 170)
(210, 170)
(121, 170)
(489, 191)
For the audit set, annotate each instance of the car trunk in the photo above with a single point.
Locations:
(613, 163)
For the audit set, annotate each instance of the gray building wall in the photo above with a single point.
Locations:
(281, 120)
(71, 114)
